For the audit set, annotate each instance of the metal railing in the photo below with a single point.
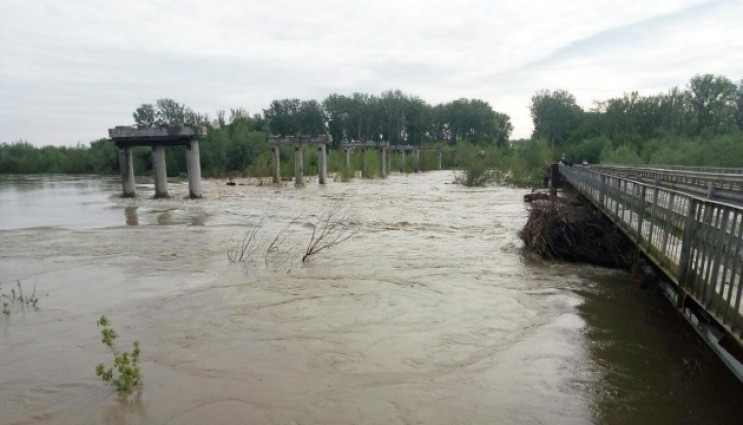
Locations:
(722, 183)
(691, 168)
(698, 243)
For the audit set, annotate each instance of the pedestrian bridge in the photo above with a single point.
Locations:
(689, 224)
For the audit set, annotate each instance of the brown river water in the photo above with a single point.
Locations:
(431, 313)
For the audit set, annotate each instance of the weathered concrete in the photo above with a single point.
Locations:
(402, 161)
(363, 161)
(276, 157)
(347, 157)
(322, 164)
(126, 137)
(298, 166)
(440, 155)
(193, 164)
(297, 142)
(126, 166)
(383, 161)
(159, 172)
(176, 135)
(417, 160)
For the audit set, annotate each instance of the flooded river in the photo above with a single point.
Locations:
(430, 314)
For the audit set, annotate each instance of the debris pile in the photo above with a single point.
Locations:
(565, 229)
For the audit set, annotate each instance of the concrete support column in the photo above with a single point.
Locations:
(126, 166)
(383, 161)
(193, 165)
(322, 164)
(417, 161)
(298, 166)
(440, 155)
(363, 161)
(389, 160)
(275, 157)
(346, 157)
(402, 160)
(159, 172)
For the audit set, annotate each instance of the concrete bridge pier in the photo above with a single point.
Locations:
(346, 157)
(389, 161)
(193, 165)
(275, 156)
(363, 161)
(440, 155)
(417, 160)
(298, 166)
(126, 165)
(159, 171)
(322, 164)
(157, 138)
(383, 161)
(402, 161)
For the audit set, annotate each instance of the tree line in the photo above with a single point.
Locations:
(699, 124)
(237, 142)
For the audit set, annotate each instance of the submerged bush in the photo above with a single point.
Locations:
(125, 373)
(476, 173)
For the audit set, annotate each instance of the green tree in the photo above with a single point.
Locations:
(713, 103)
(555, 115)
(145, 115)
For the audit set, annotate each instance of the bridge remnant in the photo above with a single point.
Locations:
(297, 142)
(416, 152)
(127, 137)
(382, 146)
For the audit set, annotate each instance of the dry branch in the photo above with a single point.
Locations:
(333, 227)
(571, 232)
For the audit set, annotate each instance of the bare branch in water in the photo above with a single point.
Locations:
(334, 226)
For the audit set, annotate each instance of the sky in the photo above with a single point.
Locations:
(70, 70)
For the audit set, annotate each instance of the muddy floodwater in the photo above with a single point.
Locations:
(431, 313)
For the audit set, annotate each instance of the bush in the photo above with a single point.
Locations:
(124, 374)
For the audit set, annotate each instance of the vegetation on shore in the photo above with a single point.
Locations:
(701, 124)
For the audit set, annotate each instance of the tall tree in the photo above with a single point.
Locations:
(555, 115)
(713, 102)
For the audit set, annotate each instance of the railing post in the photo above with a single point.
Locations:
(602, 191)
(641, 215)
(685, 258)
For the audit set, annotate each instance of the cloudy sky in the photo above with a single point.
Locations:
(69, 70)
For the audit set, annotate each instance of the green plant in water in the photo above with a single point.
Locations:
(20, 298)
(125, 373)
(476, 173)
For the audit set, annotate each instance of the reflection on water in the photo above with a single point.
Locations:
(164, 218)
(429, 314)
(86, 202)
(130, 216)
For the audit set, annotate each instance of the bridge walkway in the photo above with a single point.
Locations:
(696, 242)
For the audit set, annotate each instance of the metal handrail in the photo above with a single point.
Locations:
(696, 242)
